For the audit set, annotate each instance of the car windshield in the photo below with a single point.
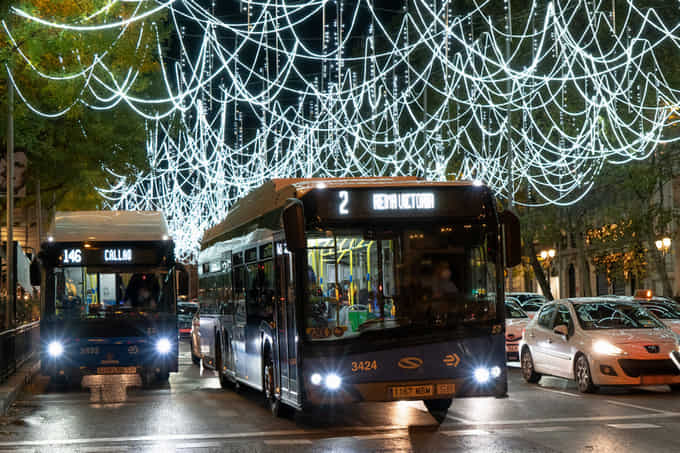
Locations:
(663, 311)
(189, 309)
(613, 315)
(513, 311)
(533, 304)
(433, 277)
(85, 293)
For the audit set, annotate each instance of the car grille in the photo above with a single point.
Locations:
(637, 368)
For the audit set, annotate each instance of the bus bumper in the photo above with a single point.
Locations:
(405, 391)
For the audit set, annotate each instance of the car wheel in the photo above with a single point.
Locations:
(438, 408)
(584, 380)
(675, 387)
(271, 399)
(528, 372)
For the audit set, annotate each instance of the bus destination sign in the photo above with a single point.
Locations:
(351, 203)
(98, 256)
(397, 202)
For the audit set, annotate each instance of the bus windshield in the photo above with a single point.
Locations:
(431, 277)
(82, 293)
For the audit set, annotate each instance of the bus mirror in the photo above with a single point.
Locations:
(35, 273)
(293, 219)
(513, 241)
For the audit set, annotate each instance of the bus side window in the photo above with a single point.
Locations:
(266, 269)
(252, 288)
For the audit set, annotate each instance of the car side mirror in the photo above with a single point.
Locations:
(562, 330)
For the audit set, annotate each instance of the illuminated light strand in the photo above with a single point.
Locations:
(387, 110)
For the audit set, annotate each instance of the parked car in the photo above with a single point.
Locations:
(185, 316)
(205, 324)
(666, 310)
(600, 341)
(530, 302)
(515, 322)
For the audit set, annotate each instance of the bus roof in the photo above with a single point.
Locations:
(108, 226)
(273, 195)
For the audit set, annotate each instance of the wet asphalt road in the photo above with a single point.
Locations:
(192, 413)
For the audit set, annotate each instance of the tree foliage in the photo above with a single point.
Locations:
(70, 154)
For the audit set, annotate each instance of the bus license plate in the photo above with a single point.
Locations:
(117, 370)
(412, 391)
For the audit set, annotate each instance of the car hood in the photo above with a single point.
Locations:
(635, 336)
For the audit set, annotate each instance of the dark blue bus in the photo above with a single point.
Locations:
(108, 299)
(333, 291)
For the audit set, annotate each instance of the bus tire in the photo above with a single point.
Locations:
(438, 408)
(163, 376)
(269, 385)
(219, 364)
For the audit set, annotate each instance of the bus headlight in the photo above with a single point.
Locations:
(495, 372)
(482, 375)
(55, 349)
(163, 346)
(333, 381)
(316, 379)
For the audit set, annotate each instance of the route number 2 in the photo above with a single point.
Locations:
(344, 199)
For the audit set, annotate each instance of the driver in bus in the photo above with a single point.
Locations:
(443, 284)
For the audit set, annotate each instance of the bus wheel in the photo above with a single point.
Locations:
(270, 386)
(219, 364)
(163, 375)
(438, 408)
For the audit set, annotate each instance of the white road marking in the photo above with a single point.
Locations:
(559, 392)
(288, 442)
(103, 449)
(549, 429)
(634, 426)
(381, 436)
(155, 438)
(466, 432)
(198, 445)
(570, 419)
(635, 406)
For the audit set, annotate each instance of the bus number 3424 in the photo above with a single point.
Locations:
(364, 365)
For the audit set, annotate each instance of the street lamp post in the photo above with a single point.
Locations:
(663, 245)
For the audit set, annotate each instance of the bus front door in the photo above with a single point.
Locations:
(286, 326)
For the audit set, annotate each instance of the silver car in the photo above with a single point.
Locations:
(600, 341)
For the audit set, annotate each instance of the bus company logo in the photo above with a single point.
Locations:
(451, 360)
(410, 363)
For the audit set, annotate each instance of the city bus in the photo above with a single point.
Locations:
(108, 302)
(335, 291)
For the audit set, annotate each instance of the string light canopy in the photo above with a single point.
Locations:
(534, 106)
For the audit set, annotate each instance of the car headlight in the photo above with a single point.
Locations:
(163, 346)
(55, 349)
(606, 348)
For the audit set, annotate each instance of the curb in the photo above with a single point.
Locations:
(15, 384)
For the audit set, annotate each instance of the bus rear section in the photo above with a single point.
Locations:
(109, 304)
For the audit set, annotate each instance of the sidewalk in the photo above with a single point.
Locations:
(11, 389)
